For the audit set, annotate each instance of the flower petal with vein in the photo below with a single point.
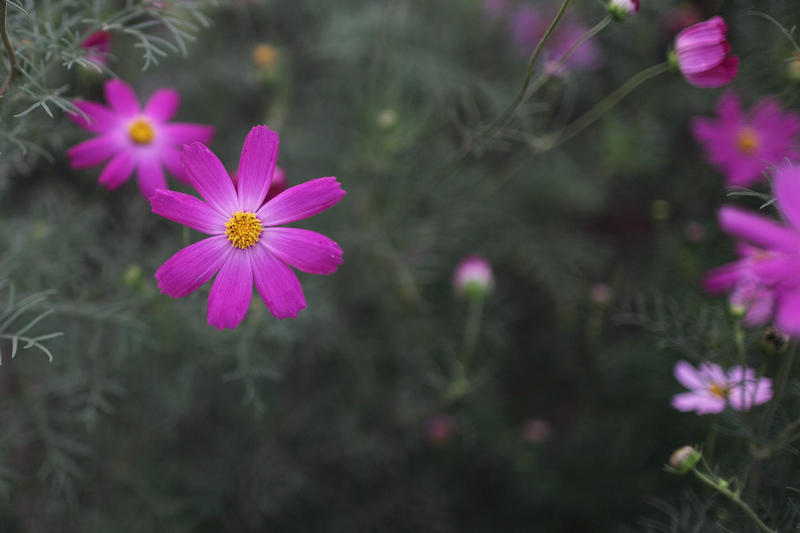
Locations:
(132, 138)
(711, 388)
(246, 244)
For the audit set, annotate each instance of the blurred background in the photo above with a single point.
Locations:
(361, 415)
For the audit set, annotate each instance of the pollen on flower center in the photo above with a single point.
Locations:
(718, 390)
(243, 229)
(747, 140)
(141, 132)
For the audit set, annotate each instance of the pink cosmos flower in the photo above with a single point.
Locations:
(97, 46)
(473, 277)
(529, 24)
(703, 55)
(742, 145)
(133, 138)
(246, 242)
(711, 389)
(769, 270)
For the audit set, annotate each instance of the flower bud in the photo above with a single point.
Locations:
(684, 459)
(702, 54)
(622, 10)
(774, 341)
(473, 278)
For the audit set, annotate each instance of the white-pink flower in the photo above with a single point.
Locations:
(711, 388)
(247, 242)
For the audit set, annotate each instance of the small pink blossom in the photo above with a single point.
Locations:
(703, 55)
(528, 26)
(768, 272)
(247, 242)
(623, 9)
(711, 389)
(97, 46)
(134, 139)
(741, 144)
(440, 429)
(278, 185)
(473, 277)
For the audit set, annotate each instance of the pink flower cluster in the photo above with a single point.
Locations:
(243, 213)
(711, 388)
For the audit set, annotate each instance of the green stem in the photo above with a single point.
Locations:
(711, 440)
(471, 331)
(724, 490)
(12, 58)
(585, 120)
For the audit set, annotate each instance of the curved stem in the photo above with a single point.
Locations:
(12, 59)
(723, 489)
(585, 120)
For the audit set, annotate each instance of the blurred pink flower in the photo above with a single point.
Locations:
(703, 55)
(97, 46)
(530, 23)
(743, 145)
(536, 430)
(278, 185)
(134, 138)
(440, 429)
(771, 256)
(711, 389)
(473, 277)
(246, 243)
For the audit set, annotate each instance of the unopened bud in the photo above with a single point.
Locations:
(774, 341)
(473, 277)
(622, 10)
(684, 459)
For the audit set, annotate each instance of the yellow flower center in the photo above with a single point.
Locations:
(265, 55)
(718, 390)
(243, 229)
(747, 140)
(141, 132)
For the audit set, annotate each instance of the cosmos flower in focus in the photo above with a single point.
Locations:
(742, 144)
(711, 388)
(702, 54)
(134, 139)
(247, 242)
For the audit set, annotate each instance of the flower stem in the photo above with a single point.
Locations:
(585, 120)
(12, 59)
(722, 488)
(471, 331)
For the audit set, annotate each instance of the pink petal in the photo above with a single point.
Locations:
(117, 171)
(277, 284)
(189, 211)
(121, 98)
(787, 314)
(786, 182)
(718, 76)
(151, 176)
(209, 177)
(758, 230)
(187, 270)
(256, 166)
(725, 277)
(172, 160)
(163, 105)
(701, 404)
(231, 292)
(688, 376)
(301, 201)
(98, 119)
(93, 151)
(306, 250)
(185, 133)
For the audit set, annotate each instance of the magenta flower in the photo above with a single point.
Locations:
(711, 389)
(278, 185)
(97, 46)
(742, 145)
(703, 55)
(771, 264)
(246, 242)
(133, 138)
